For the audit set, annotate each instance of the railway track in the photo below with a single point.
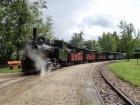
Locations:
(12, 89)
(8, 80)
(12, 78)
(107, 92)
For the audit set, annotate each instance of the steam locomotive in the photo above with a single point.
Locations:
(43, 53)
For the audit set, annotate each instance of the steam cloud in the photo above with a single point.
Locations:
(30, 2)
(40, 63)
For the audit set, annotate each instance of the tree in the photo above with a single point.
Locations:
(16, 25)
(107, 42)
(77, 39)
(91, 44)
(115, 35)
(6, 34)
(45, 29)
(138, 45)
(23, 22)
(129, 38)
(17, 22)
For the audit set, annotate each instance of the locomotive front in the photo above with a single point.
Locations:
(38, 55)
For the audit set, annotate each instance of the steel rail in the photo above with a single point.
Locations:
(96, 86)
(128, 101)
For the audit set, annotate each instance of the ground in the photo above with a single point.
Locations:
(71, 85)
(67, 86)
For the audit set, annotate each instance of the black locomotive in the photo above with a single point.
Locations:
(42, 52)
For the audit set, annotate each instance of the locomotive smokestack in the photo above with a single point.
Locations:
(34, 34)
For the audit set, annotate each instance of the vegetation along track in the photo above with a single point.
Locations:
(108, 93)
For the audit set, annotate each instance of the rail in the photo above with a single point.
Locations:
(128, 101)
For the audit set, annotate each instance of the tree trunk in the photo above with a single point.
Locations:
(18, 55)
(128, 57)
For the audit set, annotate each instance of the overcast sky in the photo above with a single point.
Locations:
(94, 16)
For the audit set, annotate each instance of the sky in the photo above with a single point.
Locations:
(92, 16)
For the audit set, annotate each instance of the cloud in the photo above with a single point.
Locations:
(98, 20)
(66, 16)
(94, 16)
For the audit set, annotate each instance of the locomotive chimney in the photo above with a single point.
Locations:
(34, 34)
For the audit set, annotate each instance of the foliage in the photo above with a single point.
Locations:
(7, 70)
(136, 55)
(77, 39)
(115, 35)
(17, 19)
(129, 38)
(45, 29)
(6, 46)
(129, 71)
(138, 45)
(108, 42)
(91, 44)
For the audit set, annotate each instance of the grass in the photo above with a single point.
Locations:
(127, 70)
(7, 70)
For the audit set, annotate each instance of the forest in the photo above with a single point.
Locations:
(18, 17)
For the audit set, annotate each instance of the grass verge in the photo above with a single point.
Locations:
(7, 70)
(127, 70)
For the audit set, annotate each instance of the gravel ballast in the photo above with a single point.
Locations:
(71, 85)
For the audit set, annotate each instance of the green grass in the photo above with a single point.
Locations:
(7, 70)
(127, 70)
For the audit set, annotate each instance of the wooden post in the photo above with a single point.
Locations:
(13, 67)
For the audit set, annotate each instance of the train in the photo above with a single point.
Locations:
(57, 53)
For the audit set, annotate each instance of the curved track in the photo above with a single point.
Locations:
(108, 93)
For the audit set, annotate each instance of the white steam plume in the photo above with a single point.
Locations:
(30, 2)
(40, 63)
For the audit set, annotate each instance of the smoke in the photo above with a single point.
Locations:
(30, 2)
(41, 63)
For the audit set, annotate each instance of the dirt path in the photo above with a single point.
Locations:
(68, 86)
